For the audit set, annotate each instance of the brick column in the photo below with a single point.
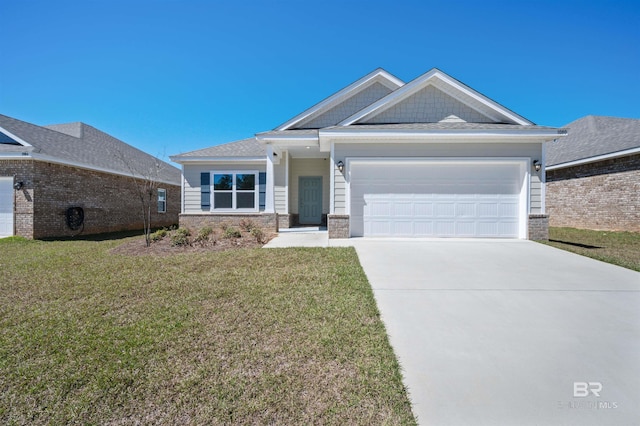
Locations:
(338, 225)
(538, 227)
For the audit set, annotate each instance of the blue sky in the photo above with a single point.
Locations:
(173, 76)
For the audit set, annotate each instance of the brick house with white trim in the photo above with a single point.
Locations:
(70, 179)
(593, 175)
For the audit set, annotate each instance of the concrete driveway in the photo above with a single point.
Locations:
(509, 332)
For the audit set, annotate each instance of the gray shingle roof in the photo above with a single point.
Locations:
(81, 144)
(249, 147)
(592, 136)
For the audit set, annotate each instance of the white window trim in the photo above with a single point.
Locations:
(164, 192)
(256, 190)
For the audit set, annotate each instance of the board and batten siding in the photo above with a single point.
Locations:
(396, 149)
(308, 167)
(192, 181)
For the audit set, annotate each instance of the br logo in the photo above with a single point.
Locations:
(582, 389)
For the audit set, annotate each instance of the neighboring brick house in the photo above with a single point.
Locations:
(593, 175)
(69, 179)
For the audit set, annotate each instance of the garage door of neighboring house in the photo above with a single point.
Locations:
(6, 206)
(438, 198)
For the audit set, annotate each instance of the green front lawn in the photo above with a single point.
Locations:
(619, 248)
(285, 336)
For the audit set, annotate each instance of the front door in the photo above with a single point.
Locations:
(310, 200)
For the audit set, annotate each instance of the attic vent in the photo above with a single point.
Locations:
(7, 140)
(452, 119)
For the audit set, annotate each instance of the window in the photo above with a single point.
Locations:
(162, 200)
(235, 191)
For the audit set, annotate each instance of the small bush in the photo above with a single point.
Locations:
(258, 234)
(247, 225)
(204, 235)
(231, 232)
(158, 235)
(181, 237)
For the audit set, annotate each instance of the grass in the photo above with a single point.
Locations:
(256, 336)
(618, 248)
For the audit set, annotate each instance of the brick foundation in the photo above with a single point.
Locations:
(338, 225)
(602, 196)
(110, 202)
(194, 222)
(538, 227)
(284, 221)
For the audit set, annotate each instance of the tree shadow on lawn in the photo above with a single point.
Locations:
(587, 246)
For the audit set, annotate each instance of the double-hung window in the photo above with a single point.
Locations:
(162, 200)
(235, 191)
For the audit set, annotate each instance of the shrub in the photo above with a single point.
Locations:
(181, 237)
(158, 235)
(258, 234)
(247, 225)
(231, 232)
(204, 235)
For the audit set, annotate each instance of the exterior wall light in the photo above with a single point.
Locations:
(340, 166)
(536, 165)
(18, 186)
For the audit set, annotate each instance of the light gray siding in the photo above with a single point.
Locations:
(391, 149)
(308, 167)
(347, 108)
(192, 181)
(429, 105)
(280, 184)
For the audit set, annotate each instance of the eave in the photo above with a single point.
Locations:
(594, 159)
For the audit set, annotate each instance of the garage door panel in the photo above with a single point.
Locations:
(433, 199)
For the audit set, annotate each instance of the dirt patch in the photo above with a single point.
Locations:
(215, 242)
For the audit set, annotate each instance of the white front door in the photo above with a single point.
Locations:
(437, 198)
(6, 206)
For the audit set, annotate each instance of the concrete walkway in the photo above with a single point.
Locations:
(305, 237)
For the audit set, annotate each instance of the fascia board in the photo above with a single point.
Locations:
(378, 75)
(16, 138)
(49, 159)
(436, 136)
(595, 159)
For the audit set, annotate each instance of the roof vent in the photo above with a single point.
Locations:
(452, 119)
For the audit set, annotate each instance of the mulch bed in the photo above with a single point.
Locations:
(137, 247)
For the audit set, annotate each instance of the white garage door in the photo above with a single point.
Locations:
(431, 198)
(6, 206)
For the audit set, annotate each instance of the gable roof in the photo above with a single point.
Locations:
(80, 145)
(441, 82)
(594, 136)
(345, 102)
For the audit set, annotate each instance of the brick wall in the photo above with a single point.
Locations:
(110, 202)
(538, 227)
(338, 225)
(195, 222)
(602, 196)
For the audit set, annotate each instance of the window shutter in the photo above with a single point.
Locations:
(262, 187)
(205, 190)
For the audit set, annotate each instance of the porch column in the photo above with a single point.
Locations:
(269, 206)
